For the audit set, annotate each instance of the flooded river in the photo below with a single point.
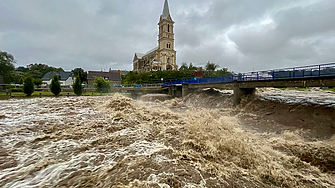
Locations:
(273, 140)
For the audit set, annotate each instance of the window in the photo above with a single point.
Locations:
(168, 60)
(168, 28)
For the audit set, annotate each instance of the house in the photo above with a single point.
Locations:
(66, 79)
(112, 77)
(162, 57)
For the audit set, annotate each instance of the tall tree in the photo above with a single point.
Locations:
(55, 85)
(28, 86)
(7, 62)
(211, 66)
(81, 73)
(77, 87)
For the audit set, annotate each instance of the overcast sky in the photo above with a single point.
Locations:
(242, 35)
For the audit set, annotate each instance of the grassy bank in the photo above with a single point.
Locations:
(3, 95)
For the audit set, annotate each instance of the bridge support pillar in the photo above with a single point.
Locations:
(239, 93)
(185, 90)
(172, 91)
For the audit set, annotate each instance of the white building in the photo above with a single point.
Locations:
(66, 79)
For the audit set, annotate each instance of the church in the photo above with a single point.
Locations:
(162, 57)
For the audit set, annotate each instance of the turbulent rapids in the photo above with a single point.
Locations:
(276, 139)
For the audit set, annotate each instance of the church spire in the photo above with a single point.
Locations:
(166, 11)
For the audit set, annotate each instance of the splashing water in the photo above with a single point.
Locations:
(118, 142)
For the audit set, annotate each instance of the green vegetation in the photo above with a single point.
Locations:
(101, 85)
(28, 87)
(37, 71)
(81, 73)
(38, 82)
(55, 85)
(185, 72)
(77, 87)
(329, 89)
(7, 62)
(49, 94)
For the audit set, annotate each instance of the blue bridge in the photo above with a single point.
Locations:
(322, 75)
(287, 73)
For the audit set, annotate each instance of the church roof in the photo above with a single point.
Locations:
(151, 51)
(166, 11)
(139, 55)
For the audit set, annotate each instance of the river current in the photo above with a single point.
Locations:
(198, 141)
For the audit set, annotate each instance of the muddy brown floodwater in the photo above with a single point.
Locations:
(198, 141)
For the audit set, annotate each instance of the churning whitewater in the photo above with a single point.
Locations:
(198, 141)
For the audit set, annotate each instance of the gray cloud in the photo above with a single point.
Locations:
(241, 35)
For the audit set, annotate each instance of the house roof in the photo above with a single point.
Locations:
(124, 72)
(63, 76)
(112, 76)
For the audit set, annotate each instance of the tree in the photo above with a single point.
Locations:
(211, 66)
(101, 85)
(192, 68)
(7, 62)
(222, 72)
(38, 82)
(77, 87)
(82, 74)
(22, 69)
(55, 85)
(28, 86)
(183, 67)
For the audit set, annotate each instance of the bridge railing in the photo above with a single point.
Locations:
(138, 85)
(296, 72)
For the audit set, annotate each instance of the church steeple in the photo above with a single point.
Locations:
(166, 12)
(166, 52)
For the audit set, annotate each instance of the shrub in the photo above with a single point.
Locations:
(55, 85)
(77, 87)
(8, 86)
(28, 86)
(38, 82)
(18, 89)
(101, 85)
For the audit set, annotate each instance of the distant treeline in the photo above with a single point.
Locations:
(184, 72)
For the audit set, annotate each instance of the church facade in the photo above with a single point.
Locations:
(162, 57)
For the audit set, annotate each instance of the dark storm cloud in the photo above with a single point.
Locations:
(239, 34)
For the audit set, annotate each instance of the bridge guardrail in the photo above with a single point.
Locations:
(139, 85)
(296, 72)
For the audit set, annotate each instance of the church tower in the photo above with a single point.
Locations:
(162, 57)
(166, 51)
